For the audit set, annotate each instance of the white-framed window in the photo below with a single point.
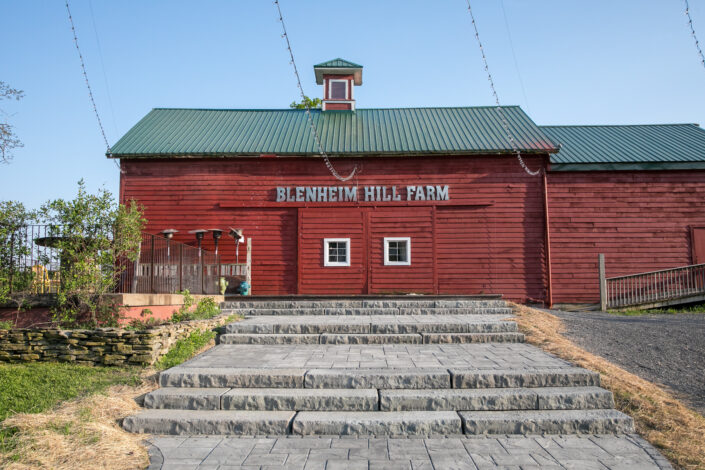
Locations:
(336, 252)
(397, 251)
(338, 89)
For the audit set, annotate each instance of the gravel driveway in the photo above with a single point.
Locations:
(665, 349)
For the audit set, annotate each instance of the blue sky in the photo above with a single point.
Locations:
(572, 62)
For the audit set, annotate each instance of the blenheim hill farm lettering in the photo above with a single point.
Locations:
(364, 193)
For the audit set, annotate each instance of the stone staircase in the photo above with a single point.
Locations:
(396, 367)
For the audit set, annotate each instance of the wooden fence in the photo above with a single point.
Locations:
(651, 288)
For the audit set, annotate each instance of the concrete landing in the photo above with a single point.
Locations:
(604, 452)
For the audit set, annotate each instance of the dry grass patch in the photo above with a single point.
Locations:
(81, 433)
(664, 421)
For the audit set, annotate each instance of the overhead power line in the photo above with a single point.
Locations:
(692, 33)
(500, 111)
(312, 125)
(88, 85)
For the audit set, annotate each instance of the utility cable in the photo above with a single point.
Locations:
(109, 152)
(692, 33)
(500, 111)
(312, 125)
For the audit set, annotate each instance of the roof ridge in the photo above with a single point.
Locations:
(621, 125)
(316, 109)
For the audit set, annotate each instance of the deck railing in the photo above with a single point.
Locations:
(166, 266)
(653, 287)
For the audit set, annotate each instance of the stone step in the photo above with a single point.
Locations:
(281, 399)
(263, 399)
(502, 399)
(436, 338)
(377, 423)
(546, 422)
(232, 377)
(521, 378)
(190, 422)
(363, 338)
(350, 311)
(380, 324)
(369, 303)
(379, 378)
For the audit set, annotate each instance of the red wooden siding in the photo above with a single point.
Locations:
(318, 224)
(482, 249)
(414, 223)
(639, 220)
(498, 223)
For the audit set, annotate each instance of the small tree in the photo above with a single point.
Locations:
(312, 103)
(8, 138)
(91, 233)
(15, 283)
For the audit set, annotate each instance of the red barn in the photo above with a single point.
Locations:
(438, 202)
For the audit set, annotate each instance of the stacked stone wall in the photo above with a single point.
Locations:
(102, 346)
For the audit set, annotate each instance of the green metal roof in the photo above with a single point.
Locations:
(399, 131)
(639, 147)
(338, 64)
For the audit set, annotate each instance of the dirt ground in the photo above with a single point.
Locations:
(666, 349)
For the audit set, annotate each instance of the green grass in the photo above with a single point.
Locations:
(184, 349)
(699, 308)
(39, 386)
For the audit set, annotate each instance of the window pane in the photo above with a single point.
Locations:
(337, 252)
(397, 251)
(337, 90)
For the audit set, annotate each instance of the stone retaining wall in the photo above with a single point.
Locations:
(102, 346)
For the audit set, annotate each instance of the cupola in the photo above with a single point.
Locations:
(338, 76)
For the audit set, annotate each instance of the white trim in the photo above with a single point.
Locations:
(330, 88)
(408, 251)
(326, 262)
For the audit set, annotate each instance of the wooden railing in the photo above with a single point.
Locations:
(167, 266)
(652, 287)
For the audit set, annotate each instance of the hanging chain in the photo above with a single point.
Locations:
(312, 125)
(692, 33)
(88, 86)
(500, 111)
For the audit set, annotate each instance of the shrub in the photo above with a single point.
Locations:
(205, 309)
(92, 234)
(6, 325)
(185, 348)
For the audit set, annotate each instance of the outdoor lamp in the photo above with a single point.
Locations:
(237, 235)
(217, 233)
(168, 234)
(200, 232)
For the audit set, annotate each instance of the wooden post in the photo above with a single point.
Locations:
(203, 277)
(603, 282)
(151, 269)
(136, 269)
(181, 267)
(248, 276)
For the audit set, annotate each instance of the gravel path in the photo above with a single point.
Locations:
(665, 349)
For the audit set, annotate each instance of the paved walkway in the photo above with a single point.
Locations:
(613, 452)
(393, 356)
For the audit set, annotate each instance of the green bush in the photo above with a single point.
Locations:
(184, 349)
(205, 309)
(6, 325)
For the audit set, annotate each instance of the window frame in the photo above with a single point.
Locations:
(326, 259)
(387, 262)
(330, 89)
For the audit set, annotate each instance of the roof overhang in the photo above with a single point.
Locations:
(356, 72)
